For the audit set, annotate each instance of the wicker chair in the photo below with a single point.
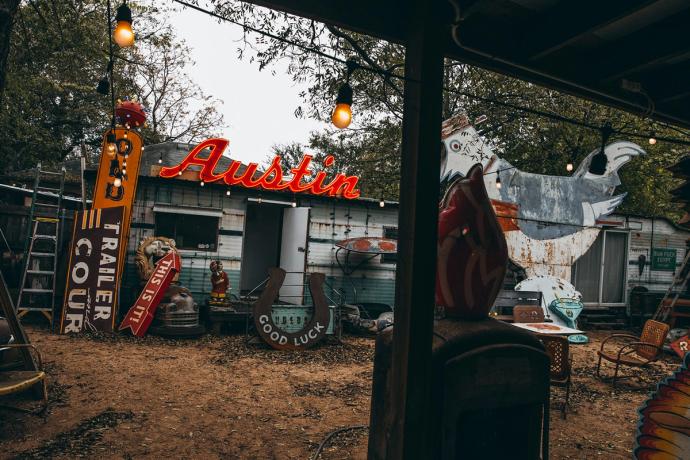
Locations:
(558, 349)
(528, 314)
(638, 351)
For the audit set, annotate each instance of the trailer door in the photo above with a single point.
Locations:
(293, 254)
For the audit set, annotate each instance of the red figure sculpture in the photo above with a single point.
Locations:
(472, 251)
(219, 280)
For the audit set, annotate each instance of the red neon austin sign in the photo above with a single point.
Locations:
(271, 179)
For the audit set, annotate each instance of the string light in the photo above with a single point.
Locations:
(111, 147)
(391, 75)
(294, 201)
(227, 192)
(160, 159)
(498, 182)
(382, 203)
(202, 183)
(123, 33)
(569, 166)
(652, 138)
(117, 182)
(103, 86)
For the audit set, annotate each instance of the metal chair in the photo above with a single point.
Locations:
(638, 351)
(528, 314)
(558, 349)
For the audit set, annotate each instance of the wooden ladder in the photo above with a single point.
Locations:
(666, 312)
(37, 289)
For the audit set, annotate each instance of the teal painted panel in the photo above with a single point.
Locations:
(368, 289)
(293, 318)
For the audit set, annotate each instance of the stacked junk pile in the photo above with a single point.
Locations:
(675, 306)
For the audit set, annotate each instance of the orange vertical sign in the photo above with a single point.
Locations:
(116, 182)
(123, 165)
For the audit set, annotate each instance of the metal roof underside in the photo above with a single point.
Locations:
(585, 47)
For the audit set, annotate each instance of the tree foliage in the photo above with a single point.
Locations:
(371, 147)
(59, 52)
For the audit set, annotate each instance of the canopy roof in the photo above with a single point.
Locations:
(589, 48)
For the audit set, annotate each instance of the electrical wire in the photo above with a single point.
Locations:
(389, 74)
(333, 433)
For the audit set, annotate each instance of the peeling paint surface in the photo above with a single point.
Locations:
(548, 221)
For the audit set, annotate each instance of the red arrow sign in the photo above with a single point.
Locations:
(139, 317)
(681, 346)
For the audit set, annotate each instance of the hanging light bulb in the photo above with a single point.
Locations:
(599, 161)
(202, 183)
(227, 192)
(117, 182)
(382, 203)
(124, 171)
(569, 166)
(123, 34)
(498, 181)
(103, 86)
(160, 159)
(260, 200)
(179, 173)
(125, 135)
(342, 112)
(294, 204)
(652, 138)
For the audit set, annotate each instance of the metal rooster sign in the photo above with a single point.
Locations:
(549, 221)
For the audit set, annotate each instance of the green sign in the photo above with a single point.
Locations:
(664, 259)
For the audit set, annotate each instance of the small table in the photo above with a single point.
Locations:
(547, 328)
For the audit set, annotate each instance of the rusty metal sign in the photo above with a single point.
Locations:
(93, 277)
(139, 317)
(312, 333)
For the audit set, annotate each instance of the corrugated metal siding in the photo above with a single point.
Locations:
(374, 281)
(656, 233)
(195, 273)
(330, 222)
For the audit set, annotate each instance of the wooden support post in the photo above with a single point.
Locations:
(417, 230)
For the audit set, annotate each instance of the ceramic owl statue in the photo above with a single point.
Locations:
(472, 251)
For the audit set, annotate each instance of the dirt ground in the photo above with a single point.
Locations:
(218, 397)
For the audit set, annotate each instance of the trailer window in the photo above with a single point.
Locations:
(199, 233)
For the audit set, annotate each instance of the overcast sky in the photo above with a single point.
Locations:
(258, 106)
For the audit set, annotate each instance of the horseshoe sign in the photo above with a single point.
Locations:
(312, 333)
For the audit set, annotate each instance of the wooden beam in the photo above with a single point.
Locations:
(383, 18)
(569, 22)
(417, 234)
(632, 53)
